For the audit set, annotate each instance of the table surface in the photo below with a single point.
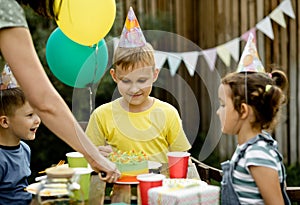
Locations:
(123, 192)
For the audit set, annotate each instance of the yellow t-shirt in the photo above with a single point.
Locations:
(154, 131)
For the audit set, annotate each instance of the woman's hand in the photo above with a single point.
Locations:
(110, 177)
(105, 150)
(107, 170)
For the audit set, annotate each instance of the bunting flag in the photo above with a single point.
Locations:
(278, 17)
(252, 31)
(265, 26)
(224, 55)
(190, 60)
(287, 8)
(160, 58)
(233, 47)
(210, 56)
(226, 50)
(174, 61)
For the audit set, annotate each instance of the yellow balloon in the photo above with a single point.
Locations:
(85, 21)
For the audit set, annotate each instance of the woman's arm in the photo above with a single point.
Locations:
(268, 184)
(19, 52)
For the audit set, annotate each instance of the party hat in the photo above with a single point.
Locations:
(7, 79)
(132, 35)
(250, 61)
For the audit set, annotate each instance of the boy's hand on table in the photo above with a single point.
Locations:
(105, 150)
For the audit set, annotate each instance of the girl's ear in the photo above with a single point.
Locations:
(155, 74)
(4, 121)
(245, 109)
(113, 75)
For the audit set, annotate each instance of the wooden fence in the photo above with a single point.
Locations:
(205, 24)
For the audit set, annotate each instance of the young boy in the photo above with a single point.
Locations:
(17, 122)
(136, 121)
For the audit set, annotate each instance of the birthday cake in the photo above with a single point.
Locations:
(130, 163)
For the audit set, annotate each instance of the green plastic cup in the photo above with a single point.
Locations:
(76, 159)
(84, 177)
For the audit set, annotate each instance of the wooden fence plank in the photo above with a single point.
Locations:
(296, 5)
(298, 80)
(283, 63)
(293, 91)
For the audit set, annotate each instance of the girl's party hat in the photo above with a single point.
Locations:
(7, 79)
(132, 35)
(250, 61)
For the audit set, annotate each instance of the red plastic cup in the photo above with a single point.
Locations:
(147, 181)
(178, 164)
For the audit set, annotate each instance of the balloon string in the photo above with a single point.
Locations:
(90, 88)
(91, 99)
(246, 88)
(96, 62)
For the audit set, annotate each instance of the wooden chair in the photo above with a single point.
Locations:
(208, 173)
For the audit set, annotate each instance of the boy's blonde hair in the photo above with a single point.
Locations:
(126, 57)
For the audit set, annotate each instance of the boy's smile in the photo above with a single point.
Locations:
(22, 125)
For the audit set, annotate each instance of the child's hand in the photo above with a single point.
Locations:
(105, 150)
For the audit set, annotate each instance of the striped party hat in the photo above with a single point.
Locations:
(250, 61)
(7, 79)
(132, 35)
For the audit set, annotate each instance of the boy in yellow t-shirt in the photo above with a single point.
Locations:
(136, 121)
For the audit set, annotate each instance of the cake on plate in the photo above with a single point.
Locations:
(130, 163)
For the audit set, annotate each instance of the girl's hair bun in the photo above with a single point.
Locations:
(279, 79)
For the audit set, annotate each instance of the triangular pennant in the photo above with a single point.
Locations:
(174, 61)
(265, 26)
(245, 36)
(250, 61)
(190, 60)
(160, 58)
(233, 47)
(277, 16)
(287, 8)
(224, 54)
(210, 56)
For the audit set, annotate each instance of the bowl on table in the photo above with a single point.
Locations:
(154, 167)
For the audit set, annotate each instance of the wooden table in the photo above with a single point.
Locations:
(98, 188)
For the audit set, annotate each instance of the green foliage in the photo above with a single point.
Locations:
(293, 175)
(213, 159)
(105, 89)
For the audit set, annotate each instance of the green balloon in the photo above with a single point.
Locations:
(74, 64)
